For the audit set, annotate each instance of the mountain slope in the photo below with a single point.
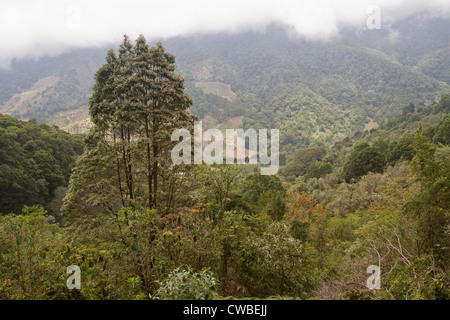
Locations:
(45, 88)
(316, 92)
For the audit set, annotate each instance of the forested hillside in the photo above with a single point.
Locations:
(52, 89)
(140, 226)
(316, 92)
(35, 161)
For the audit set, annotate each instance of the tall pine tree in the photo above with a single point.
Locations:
(138, 101)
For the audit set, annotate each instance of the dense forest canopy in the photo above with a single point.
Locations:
(35, 161)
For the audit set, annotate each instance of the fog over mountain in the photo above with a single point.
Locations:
(31, 29)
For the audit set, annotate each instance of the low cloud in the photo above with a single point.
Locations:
(36, 28)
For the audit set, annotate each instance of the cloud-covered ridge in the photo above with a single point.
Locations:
(33, 28)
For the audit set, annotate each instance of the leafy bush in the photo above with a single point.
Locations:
(364, 159)
(184, 284)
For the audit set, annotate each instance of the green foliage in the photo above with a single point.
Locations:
(36, 252)
(264, 193)
(187, 285)
(26, 254)
(364, 159)
(218, 183)
(34, 161)
(318, 170)
(442, 132)
(401, 150)
(128, 149)
(432, 205)
(418, 280)
(283, 265)
(301, 160)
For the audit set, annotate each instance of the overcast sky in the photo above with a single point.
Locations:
(32, 28)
